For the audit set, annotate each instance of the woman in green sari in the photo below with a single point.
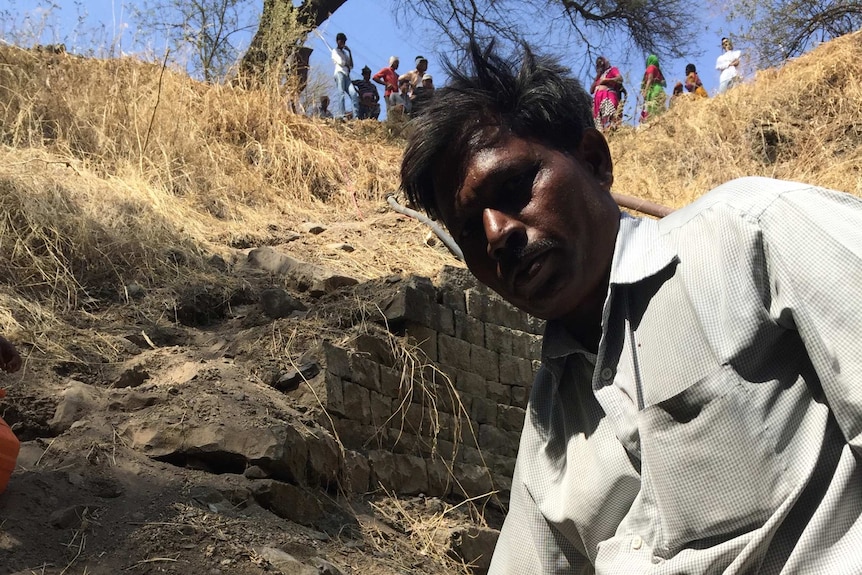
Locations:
(652, 89)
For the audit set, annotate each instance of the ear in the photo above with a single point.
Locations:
(596, 155)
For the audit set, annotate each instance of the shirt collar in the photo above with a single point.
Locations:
(640, 252)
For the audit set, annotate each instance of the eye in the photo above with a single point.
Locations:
(516, 192)
(471, 228)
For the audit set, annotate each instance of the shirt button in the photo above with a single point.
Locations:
(607, 374)
(637, 542)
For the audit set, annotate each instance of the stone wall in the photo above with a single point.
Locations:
(433, 401)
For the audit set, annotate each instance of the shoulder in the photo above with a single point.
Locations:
(747, 199)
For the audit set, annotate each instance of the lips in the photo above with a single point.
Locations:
(528, 275)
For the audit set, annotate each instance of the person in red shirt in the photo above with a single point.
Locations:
(388, 78)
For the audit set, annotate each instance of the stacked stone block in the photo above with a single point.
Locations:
(435, 399)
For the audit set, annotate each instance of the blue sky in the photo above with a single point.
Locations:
(373, 35)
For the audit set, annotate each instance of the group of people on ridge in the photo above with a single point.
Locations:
(609, 93)
(403, 95)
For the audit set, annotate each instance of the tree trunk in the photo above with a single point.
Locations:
(276, 52)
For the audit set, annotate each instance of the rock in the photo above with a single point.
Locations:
(324, 567)
(278, 303)
(285, 562)
(324, 458)
(288, 502)
(280, 450)
(132, 377)
(404, 474)
(210, 498)
(303, 276)
(341, 247)
(255, 472)
(134, 291)
(474, 546)
(312, 228)
(357, 472)
(78, 400)
(122, 400)
(290, 380)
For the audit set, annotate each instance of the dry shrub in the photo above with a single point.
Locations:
(801, 122)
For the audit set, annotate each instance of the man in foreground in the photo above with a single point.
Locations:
(698, 405)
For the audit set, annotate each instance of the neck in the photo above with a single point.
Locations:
(585, 323)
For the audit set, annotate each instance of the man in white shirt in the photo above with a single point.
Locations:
(726, 64)
(699, 404)
(343, 60)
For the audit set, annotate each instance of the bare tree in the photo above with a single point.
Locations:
(199, 31)
(665, 27)
(781, 29)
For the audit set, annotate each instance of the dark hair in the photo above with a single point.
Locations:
(340, 36)
(366, 69)
(535, 98)
(689, 68)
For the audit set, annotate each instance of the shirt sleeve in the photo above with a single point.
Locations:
(529, 545)
(813, 247)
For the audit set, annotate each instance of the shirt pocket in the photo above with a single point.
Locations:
(708, 464)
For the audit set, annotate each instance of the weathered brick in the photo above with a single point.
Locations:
(439, 478)
(478, 304)
(535, 325)
(424, 338)
(449, 399)
(535, 366)
(497, 441)
(473, 480)
(469, 328)
(469, 454)
(504, 466)
(400, 473)
(365, 372)
(381, 408)
(408, 304)
(520, 395)
(352, 434)
(357, 403)
(526, 345)
(356, 472)
(484, 411)
(470, 383)
(453, 352)
(499, 392)
(510, 418)
(453, 298)
(407, 443)
(442, 319)
(390, 381)
(377, 348)
(337, 360)
(445, 450)
(515, 370)
(484, 362)
(498, 338)
(334, 394)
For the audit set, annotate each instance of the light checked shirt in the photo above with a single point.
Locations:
(718, 429)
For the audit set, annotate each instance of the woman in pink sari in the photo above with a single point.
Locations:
(607, 90)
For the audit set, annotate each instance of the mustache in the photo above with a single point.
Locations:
(516, 255)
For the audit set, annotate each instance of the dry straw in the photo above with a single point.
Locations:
(801, 122)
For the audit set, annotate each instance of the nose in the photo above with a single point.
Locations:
(503, 232)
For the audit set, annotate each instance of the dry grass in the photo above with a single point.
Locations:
(800, 122)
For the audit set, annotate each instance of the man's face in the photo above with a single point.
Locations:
(427, 84)
(536, 225)
(422, 65)
(404, 86)
(366, 75)
(340, 42)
